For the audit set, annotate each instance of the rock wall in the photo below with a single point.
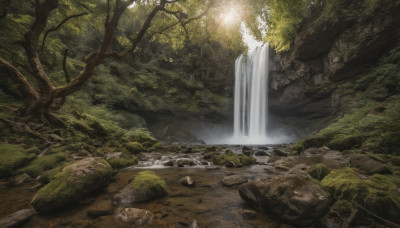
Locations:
(332, 46)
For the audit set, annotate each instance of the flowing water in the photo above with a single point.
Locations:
(209, 203)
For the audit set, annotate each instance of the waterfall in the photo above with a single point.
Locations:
(251, 97)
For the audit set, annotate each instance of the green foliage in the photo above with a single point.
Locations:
(36, 167)
(284, 18)
(12, 157)
(142, 136)
(134, 147)
(318, 171)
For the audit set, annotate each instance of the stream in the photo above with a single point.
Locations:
(209, 203)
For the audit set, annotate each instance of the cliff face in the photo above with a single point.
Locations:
(335, 46)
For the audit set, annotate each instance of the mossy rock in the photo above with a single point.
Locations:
(345, 143)
(318, 171)
(144, 137)
(315, 141)
(12, 157)
(377, 193)
(236, 159)
(47, 162)
(119, 163)
(134, 147)
(72, 183)
(145, 186)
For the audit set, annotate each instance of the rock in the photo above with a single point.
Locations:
(369, 165)
(23, 178)
(72, 183)
(294, 199)
(247, 151)
(185, 162)
(234, 180)
(111, 155)
(16, 218)
(279, 153)
(260, 153)
(248, 214)
(299, 169)
(135, 216)
(100, 208)
(187, 181)
(169, 163)
(145, 186)
(339, 215)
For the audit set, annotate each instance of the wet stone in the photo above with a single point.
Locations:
(169, 163)
(23, 178)
(260, 153)
(134, 216)
(187, 181)
(234, 180)
(16, 218)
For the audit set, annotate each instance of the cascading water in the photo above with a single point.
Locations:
(251, 98)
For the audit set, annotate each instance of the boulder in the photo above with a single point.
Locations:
(16, 218)
(111, 155)
(145, 186)
(279, 153)
(135, 216)
(187, 181)
(72, 183)
(185, 162)
(247, 151)
(234, 180)
(169, 163)
(368, 165)
(260, 153)
(293, 199)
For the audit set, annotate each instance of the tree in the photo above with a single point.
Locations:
(42, 99)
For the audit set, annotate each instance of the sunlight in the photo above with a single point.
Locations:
(230, 17)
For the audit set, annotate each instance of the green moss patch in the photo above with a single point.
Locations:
(345, 143)
(43, 163)
(318, 171)
(119, 163)
(12, 157)
(72, 183)
(134, 147)
(144, 137)
(237, 159)
(377, 193)
(149, 184)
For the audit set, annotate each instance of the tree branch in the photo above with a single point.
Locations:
(31, 38)
(96, 57)
(25, 90)
(59, 26)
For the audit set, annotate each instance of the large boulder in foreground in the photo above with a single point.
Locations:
(293, 199)
(146, 186)
(72, 183)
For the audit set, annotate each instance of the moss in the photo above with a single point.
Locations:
(72, 183)
(148, 183)
(345, 142)
(297, 148)
(43, 163)
(12, 157)
(119, 163)
(143, 136)
(237, 159)
(155, 147)
(318, 171)
(377, 193)
(134, 147)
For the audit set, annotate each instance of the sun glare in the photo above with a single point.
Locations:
(230, 17)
